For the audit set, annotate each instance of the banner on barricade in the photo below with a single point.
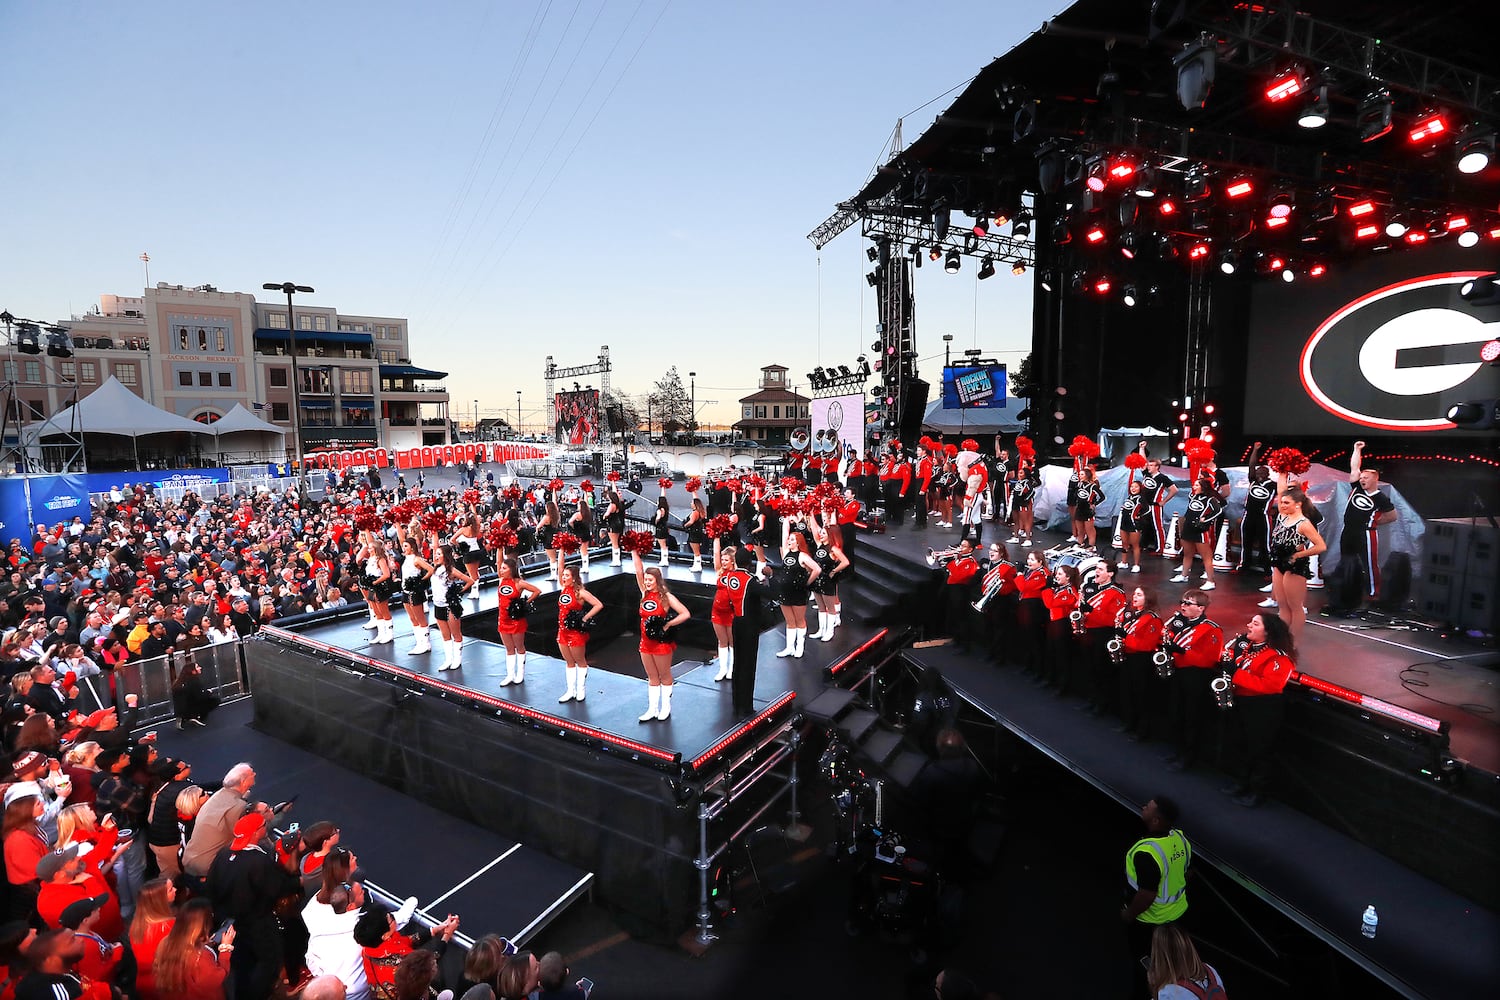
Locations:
(426, 456)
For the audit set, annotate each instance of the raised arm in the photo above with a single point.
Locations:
(1356, 461)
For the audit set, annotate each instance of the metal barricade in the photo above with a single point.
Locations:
(151, 680)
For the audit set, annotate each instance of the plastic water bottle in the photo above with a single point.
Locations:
(1369, 922)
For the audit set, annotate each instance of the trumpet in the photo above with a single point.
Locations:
(1116, 649)
(934, 557)
(1223, 689)
(1076, 617)
(1162, 658)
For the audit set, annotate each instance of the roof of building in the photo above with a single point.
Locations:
(774, 395)
(326, 336)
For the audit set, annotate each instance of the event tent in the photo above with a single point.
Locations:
(114, 409)
(240, 420)
(1000, 420)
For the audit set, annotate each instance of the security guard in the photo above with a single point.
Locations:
(1156, 873)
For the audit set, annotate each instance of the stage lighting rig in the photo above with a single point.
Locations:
(1195, 71)
(1481, 291)
(1476, 150)
(1373, 119)
(830, 381)
(952, 262)
(986, 269)
(1479, 415)
(1430, 125)
(1287, 84)
(1315, 111)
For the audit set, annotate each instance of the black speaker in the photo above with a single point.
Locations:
(913, 409)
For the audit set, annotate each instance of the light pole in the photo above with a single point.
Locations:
(693, 411)
(947, 349)
(518, 413)
(476, 421)
(291, 331)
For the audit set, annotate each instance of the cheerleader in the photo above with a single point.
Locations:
(547, 529)
(1060, 600)
(1255, 526)
(1138, 628)
(657, 603)
(512, 621)
(416, 581)
(661, 526)
(799, 571)
(1199, 527)
(947, 478)
(1294, 541)
(1087, 497)
(468, 547)
(572, 639)
(614, 522)
(379, 584)
(1262, 668)
(581, 524)
(974, 491)
(449, 581)
(761, 526)
(1031, 612)
(832, 562)
(1133, 511)
(697, 532)
(1022, 495)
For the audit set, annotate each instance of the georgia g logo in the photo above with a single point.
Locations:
(732, 583)
(1362, 501)
(649, 605)
(1396, 358)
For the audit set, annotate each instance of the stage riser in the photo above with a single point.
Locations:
(609, 816)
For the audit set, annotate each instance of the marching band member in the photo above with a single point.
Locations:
(923, 485)
(657, 646)
(832, 563)
(1200, 527)
(449, 581)
(999, 593)
(1031, 614)
(1195, 643)
(1061, 599)
(1139, 630)
(1261, 671)
(512, 621)
(1101, 607)
(575, 607)
(799, 571)
(959, 575)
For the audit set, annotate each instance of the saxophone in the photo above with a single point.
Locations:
(1162, 658)
(1223, 685)
(1116, 645)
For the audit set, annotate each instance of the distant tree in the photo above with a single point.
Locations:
(1022, 380)
(671, 406)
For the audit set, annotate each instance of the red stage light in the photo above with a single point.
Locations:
(1287, 83)
(1431, 125)
(1102, 286)
(1277, 263)
(1317, 271)
(1208, 408)
(1365, 232)
(1360, 208)
(1166, 206)
(1199, 251)
(1276, 221)
(1416, 236)
(1458, 222)
(1495, 233)
(1094, 235)
(1490, 352)
(1121, 170)
(1239, 188)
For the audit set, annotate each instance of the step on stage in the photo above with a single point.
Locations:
(646, 807)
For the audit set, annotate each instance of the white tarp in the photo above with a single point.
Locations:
(114, 409)
(1117, 442)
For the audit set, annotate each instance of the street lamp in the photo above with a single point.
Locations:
(693, 412)
(291, 331)
(476, 421)
(518, 413)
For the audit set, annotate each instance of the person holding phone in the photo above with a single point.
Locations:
(552, 980)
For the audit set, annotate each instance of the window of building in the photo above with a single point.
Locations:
(10, 371)
(33, 371)
(38, 409)
(205, 378)
(320, 323)
(315, 380)
(357, 381)
(185, 379)
(125, 372)
(66, 370)
(776, 412)
(182, 338)
(760, 413)
(202, 339)
(277, 377)
(221, 339)
(281, 413)
(88, 371)
(226, 380)
(745, 414)
(387, 357)
(773, 376)
(276, 321)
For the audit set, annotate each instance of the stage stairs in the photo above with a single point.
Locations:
(875, 743)
(884, 587)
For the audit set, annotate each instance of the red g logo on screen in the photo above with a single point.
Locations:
(1397, 357)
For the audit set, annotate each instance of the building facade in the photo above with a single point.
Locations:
(196, 352)
(770, 414)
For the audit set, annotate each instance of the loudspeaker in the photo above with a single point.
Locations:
(913, 409)
(1460, 567)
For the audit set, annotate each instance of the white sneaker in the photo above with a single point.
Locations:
(1269, 602)
(1014, 538)
(1026, 544)
(1136, 568)
(1179, 578)
(1208, 586)
(1268, 588)
(1073, 539)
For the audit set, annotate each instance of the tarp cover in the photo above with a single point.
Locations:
(114, 409)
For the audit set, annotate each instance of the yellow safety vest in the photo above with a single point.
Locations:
(1172, 853)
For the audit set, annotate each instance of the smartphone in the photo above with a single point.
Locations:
(586, 984)
(218, 935)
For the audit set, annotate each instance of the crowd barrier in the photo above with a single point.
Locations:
(427, 456)
(150, 680)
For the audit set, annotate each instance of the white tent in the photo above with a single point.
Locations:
(114, 409)
(999, 420)
(239, 420)
(243, 435)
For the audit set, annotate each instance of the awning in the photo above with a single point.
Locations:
(317, 404)
(358, 404)
(317, 336)
(409, 371)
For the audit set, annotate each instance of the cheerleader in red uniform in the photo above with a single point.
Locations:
(575, 606)
(1031, 613)
(1138, 627)
(1262, 668)
(512, 622)
(1061, 601)
(660, 612)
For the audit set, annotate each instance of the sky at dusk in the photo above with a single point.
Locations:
(518, 179)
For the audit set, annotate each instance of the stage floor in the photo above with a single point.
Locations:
(1416, 670)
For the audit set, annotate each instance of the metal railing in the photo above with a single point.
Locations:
(151, 680)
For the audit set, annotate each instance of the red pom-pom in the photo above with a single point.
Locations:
(951, 450)
(693, 485)
(1288, 460)
(364, 518)
(719, 525)
(1135, 460)
(501, 535)
(642, 542)
(470, 496)
(792, 484)
(612, 476)
(665, 482)
(566, 542)
(556, 485)
(969, 444)
(586, 486)
(512, 492)
(434, 521)
(732, 485)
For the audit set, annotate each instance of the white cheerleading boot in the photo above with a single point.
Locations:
(653, 703)
(448, 658)
(801, 639)
(552, 570)
(581, 688)
(723, 673)
(663, 560)
(458, 654)
(614, 557)
(567, 696)
(520, 667)
(791, 642)
(666, 702)
(698, 564)
(423, 644)
(372, 623)
(510, 670)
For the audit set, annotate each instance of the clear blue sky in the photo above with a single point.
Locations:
(517, 178)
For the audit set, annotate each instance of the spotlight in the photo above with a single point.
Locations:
(1457, 222)
(1198, 251)
(1076, 283)
(872, 253)
(1276, 221)
(1481, 291)
(1095, 234)
(1019, 269)
(1288, 276)
(986, 269)
(1145, 182)
(1239, 187)
(1051, 163)
(1480, 415)
(1127, 246)
(1396, 228)
(1468, 238)
(1287, 84)
(844, 372)
(1360, 209)
(873, 278)
(952, 262)
(941, 219)
(26, 339)
(1490, 352)
(1122, 169)
(1315, 111)
(1317, 271)
(1374, 117)
(1229, 263)
(1061, 234)
(936, 253)
(1022, 226)
(59, 345)
(1281, 204)
(1366, 231)
(1002, 217)
(1195, 185)
(1128, 210)
(1195, 72)
(1325, 207)
(1129, 295)
(1103, 285)
(1276, 264)
(1475, 152)
(1166, 206)
(1094, 177)
(1416, 236)
(1429, 125)
(981, 224)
